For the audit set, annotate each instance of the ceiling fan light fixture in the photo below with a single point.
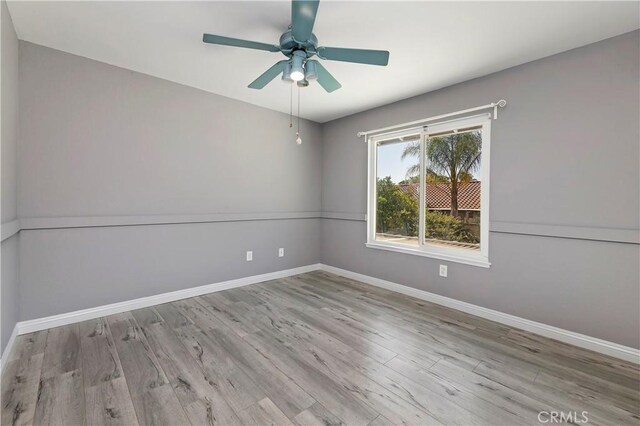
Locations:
(297, 62)
(286, 74)
(310, 71)
(297, 75)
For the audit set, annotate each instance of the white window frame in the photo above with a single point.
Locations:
(476, 258)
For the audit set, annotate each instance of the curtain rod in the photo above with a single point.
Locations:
(495, 105)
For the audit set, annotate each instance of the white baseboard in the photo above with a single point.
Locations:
(7, 349)
(597, 345)
(30, 326)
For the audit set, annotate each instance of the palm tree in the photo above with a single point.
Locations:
(452, 158)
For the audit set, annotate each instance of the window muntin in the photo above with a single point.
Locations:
(431, 158)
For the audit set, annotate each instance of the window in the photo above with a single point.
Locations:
(429, 190)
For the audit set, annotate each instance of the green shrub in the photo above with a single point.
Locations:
(396, 211)
(442, 226)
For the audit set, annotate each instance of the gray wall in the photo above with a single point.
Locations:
(105, 145)
(9, 75)
(564, 162)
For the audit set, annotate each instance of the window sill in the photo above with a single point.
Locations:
(467, 260)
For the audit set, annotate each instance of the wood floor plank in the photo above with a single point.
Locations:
(221, 371)
(624, 401)
(173, 317)
(202, 402)
(238, 318)
(598, 405)
(197, 314)
(538, 361)
(389, 404)
(366, 340)
(281, 321)
(551, 397)
(263, 413)
(381, 421)
(61, 390)
(20, 382)
(317, 415)
(409, 307)
(405, 313)
(107, 396)
(371, 377)
(384, 325)
(28, 345)
(590, 360)
(142, 369)
(240, 295)
(62, 352)
(604, 369)
(280, 389)
(21, 378)
(434, 341)
(287, 288)
(373, 345)
(159, 406)
(100, 361)
(109, 403)
(152, 395)
(148, 316)
(60, 399)
(497, 397)
(330, 394)
(322, 322)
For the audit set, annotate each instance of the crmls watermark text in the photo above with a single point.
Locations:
(563, 417)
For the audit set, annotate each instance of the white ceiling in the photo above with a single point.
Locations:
(432, 44)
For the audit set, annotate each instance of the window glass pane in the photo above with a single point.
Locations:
(397, 189)
(452, 189)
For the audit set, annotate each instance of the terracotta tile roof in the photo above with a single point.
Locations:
(439, 195)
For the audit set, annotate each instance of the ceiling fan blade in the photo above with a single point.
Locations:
(303, 16)
(359, 56)
(236, 42)
(325, 79)
(268, 75)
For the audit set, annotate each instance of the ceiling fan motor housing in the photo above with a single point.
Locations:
(288, 44)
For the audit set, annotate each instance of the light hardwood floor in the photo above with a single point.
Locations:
(314, 349)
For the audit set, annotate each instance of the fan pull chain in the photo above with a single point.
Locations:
(298, 138)
(291, 107)
(298, 109)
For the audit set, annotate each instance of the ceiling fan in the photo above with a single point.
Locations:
(299, 45)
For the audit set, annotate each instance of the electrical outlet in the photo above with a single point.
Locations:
(280, 252)
(443, 271)
(249, 256)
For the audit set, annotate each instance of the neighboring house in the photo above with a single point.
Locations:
(439, 198)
